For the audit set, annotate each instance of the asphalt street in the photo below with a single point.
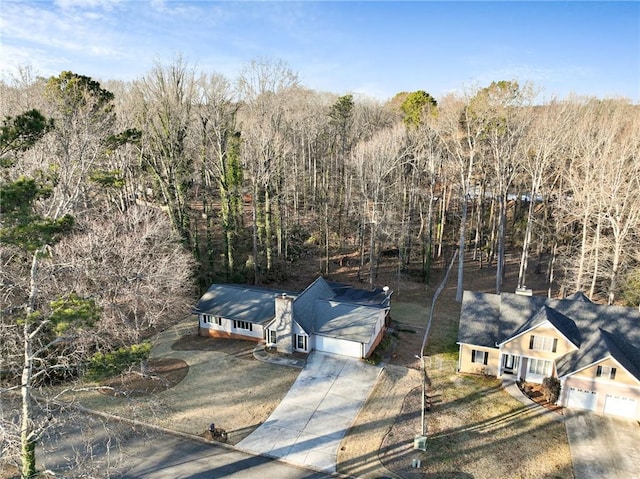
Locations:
(174, 458)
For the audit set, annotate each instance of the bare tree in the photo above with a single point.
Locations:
(543, 146)
(376, 161)
(502, 109)
(460, 132)
(165, 102)
(265, 146)
(219, 162)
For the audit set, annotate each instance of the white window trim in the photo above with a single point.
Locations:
(542, 343)
(480, 357)
(546, 367)
(605, 372)
(243, 325)
(305, 342)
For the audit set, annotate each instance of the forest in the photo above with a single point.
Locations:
(122, 201)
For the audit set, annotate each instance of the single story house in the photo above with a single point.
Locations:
(593, 349)
(329, 317)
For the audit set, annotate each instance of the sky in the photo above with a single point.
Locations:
(374, 48)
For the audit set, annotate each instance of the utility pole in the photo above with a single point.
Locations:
(420, 441)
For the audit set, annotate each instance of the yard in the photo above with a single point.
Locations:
(474, 428)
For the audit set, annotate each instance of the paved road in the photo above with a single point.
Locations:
(114, 449)
(173, 458)
(603, 447)
(310, 422)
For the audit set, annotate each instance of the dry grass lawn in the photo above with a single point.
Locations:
(225, 385)
(474, 428)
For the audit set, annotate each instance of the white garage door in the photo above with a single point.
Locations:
(338, 346)
(582, 399)
(620, 406)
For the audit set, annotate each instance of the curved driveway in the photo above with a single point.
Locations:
(308, 425)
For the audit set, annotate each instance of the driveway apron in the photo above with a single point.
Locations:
(603, 447)
(308, 425)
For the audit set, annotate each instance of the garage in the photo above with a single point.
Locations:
(582, 399)
(338, 346)
(620, 406)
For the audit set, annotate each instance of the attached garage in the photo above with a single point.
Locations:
(582, 399)
(338, 346)
(620, 406)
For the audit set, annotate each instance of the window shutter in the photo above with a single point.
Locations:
(613, 373)
(486, 357)
(599, 371)
(555, 345)
(473, 355)
(531, 342)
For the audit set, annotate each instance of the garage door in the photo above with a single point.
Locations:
(582, 399)
(338, 346)
(620, 406)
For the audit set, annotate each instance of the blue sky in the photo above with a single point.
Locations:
(375, 48)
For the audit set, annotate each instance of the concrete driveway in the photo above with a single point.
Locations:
(603, 447)
(310, 422)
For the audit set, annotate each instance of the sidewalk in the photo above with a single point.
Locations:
(275, 358)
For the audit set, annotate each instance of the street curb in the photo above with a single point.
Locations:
(200, 439)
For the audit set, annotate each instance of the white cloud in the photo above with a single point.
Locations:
(86, 4)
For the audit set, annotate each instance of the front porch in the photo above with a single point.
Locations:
(526, 369)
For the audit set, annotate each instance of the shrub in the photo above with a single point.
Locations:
(103, 365)
(551, 389)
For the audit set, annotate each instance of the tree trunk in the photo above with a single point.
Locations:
(583, 252)
(463, 222)
(443, 216)
(27, 430)
(524, 258)
(326, 237)
(595, 261)
(254, 214)
(502, 219)
(268, 240)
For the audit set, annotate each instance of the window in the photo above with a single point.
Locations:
(206, 318)
(481, 357)
(543, 343)
(301, 342)
(540, 367)
(272, 336)
(606, 372)
(243, 325)
(219, 321)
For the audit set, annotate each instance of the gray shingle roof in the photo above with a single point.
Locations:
(564, 325)
(345, 321)
(330, 309)
(244, 303)
(304, 304)
(488, 319)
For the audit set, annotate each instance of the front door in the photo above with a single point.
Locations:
(509, 363)
(301, 342)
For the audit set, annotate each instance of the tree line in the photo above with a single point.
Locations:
(120, 200)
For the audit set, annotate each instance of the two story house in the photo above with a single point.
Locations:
(593, 349)
(325, 316)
